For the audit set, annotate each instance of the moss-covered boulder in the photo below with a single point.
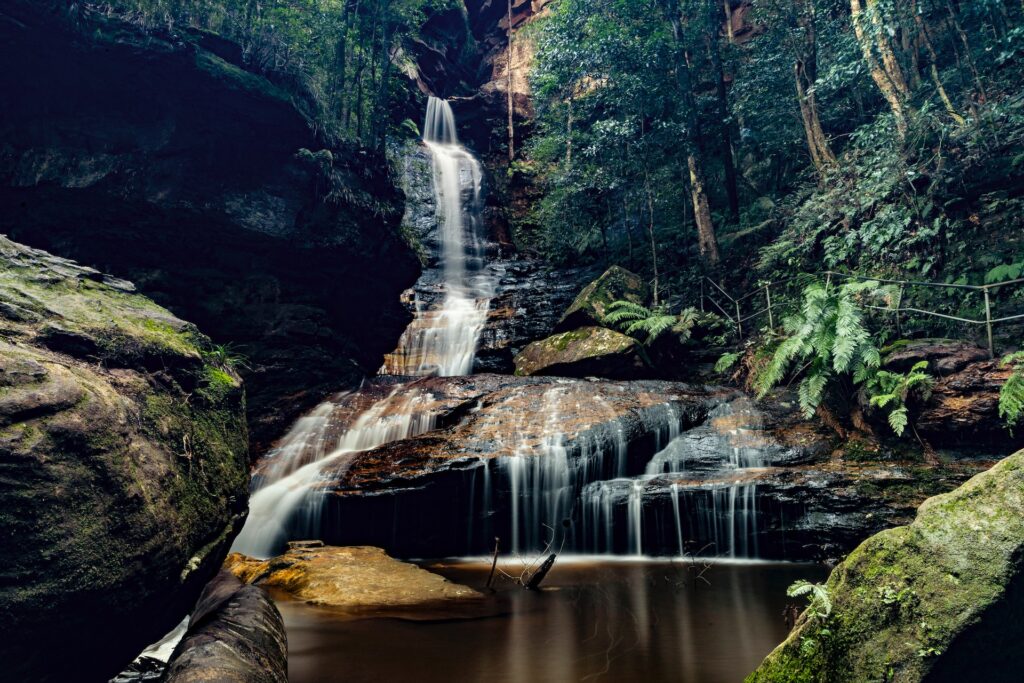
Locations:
(590, 306)
(938, 600)
(123, 468)
(586, 352)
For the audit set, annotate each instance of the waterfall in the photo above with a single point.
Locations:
(286, 497)
(443, 341)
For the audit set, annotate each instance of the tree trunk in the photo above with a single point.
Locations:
(511, 103)
(724, 117)
(934, 69)
(707, 243)
(706, 240)
(806, 75)
(650, 233)
(893, 87)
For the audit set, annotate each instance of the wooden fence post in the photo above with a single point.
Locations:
(899, 306)
(988, 322)
(768, 295)
(739, 323)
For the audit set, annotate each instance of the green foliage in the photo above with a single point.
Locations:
(819, 602)
(829, 336)
(1011, 395)
(889, 391)
(646, 324)
(727, 361)
(343, 55)
(226, 356)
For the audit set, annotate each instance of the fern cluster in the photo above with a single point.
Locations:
(648, 324)
(830, 337)
(890, 390)
(1011, 395)
(820, 603)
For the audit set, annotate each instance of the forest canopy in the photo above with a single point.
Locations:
(780, 136)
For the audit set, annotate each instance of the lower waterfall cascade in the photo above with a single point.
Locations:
(588, 491)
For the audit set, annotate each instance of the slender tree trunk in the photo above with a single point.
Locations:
(568, 135)
(893, 90)
(724, 117)
(511, 102)
(967, 50)
(806, 76)
(727, 6)
(933, 67)
(706, 240)
(650, 234)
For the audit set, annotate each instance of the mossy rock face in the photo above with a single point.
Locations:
(123, 461)
(937, 600)
(590, 307)
(586, 352)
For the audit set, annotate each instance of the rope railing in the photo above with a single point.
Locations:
(737, 318)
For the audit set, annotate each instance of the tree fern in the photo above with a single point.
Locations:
(829, 336)
(647, 324)
(1011, 395)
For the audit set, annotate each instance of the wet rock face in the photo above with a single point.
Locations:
(586, 352)
(353, 580)
(413, 497)
(937, 600)
(530, 299)
(123, 456)
(963, 410)
(158, 158)
(236, 635)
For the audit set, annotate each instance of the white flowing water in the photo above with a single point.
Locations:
(719, 518)
(287, 499)
(443, 341)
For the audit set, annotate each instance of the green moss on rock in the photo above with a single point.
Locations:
(124, 456)
(908, 597)
(588, 351)
(589, 308)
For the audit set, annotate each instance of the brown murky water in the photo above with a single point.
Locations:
(597, 621)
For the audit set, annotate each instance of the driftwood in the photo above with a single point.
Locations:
(494, 562)
(541, 572)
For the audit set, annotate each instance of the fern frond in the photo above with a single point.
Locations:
(726, 362)
(898, 420)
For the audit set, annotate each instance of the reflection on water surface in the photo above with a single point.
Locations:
(597, 621)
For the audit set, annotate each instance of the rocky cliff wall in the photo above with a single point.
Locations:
(158, 158)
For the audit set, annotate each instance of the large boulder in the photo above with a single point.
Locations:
(592, 303)
(586, 352)
(157, 155)
(123, 468)
(357, 580)
(939, 600)
(235, 635)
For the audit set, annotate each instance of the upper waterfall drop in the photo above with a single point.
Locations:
(443, 341)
